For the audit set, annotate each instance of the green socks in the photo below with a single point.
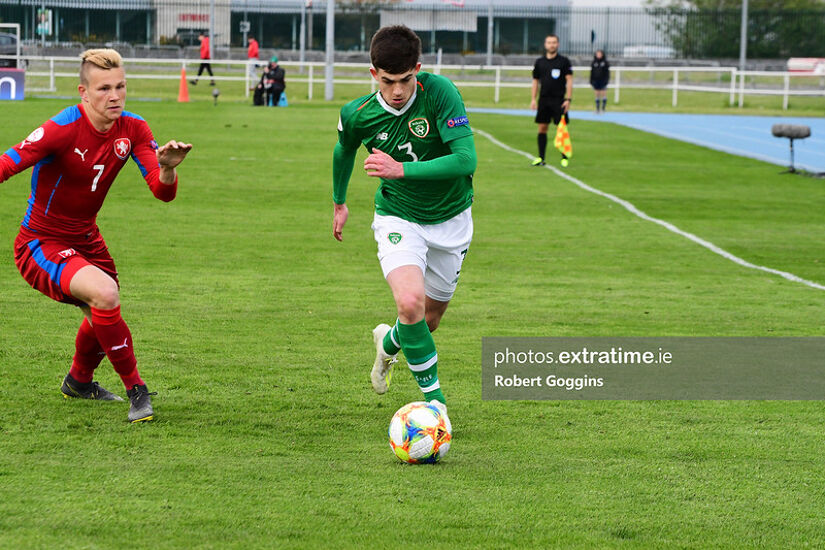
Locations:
(419, 349)
(391, 341)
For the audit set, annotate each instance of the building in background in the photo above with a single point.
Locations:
(457, 27)
(623, 28)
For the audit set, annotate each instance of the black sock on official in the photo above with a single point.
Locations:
(597, 105)
(542, 145)
(604, 104)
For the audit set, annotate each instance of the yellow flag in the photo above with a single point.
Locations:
(562, 141)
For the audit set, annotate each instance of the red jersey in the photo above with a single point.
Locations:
(252, 51)
(205, 48)
(74, 167)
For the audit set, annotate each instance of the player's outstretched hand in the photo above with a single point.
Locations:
(380, 165)
(340, 213)
(173, 153)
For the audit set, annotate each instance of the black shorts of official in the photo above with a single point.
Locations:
(550, 110)
(599, 85)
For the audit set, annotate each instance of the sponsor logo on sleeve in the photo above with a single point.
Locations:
(154, 145)
(37, 135)
(68, 253)
(458, 121)
(122, 148)
(395, 238)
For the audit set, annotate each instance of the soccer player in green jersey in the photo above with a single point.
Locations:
(421, 147)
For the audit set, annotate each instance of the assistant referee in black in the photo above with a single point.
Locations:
(555, 74)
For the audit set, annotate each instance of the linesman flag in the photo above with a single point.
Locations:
(562, 141)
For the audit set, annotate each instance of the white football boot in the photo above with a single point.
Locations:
(440, 406)
(382, 368)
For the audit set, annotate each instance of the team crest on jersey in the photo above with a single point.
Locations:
(419, 127)
(394, 238)
(122, 148)
(68, 253)
(555, 73)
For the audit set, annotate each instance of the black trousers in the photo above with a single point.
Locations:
(207, 67)
(273, 95)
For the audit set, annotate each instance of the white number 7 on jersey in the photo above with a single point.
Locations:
(99, 168)
(408, 148)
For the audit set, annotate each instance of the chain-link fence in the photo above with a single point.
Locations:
(518, 26)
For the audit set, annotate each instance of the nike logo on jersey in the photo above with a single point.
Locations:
(81, 153)
(125, 345)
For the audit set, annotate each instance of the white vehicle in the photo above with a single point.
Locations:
(655, 52)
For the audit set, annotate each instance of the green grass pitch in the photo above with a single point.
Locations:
(253, 325)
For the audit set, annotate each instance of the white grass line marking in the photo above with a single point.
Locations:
(667, 225)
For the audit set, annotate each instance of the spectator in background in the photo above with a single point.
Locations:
(599, 77)
(205, 65)
(272, 82)
(252, 53)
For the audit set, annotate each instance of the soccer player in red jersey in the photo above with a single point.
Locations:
(59, 251)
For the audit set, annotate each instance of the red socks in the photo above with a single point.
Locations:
(114, 337)
(88, 354)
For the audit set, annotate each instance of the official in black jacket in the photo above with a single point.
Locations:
(599, 77)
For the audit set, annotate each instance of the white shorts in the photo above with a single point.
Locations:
(437, 249)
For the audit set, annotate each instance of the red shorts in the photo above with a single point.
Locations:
(48, 264)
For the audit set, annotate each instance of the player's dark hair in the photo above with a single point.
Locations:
(553, 35)
(395, 49)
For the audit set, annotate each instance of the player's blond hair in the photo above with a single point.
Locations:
(103, 58)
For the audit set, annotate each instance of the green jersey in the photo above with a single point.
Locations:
(420, 131)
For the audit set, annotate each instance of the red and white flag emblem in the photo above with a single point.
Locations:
(122, 148)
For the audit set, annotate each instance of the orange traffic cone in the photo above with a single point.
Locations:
(183, 92)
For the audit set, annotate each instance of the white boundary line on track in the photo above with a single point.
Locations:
(667, 225)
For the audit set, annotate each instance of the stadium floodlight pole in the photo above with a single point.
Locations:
(211, 29)
(743, 36)
(490, 33)
(245, 23)
(330, 68)
(303, 40)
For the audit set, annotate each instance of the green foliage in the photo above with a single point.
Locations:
(737, 4)
(712, 28)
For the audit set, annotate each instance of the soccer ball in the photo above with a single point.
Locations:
(420, 433)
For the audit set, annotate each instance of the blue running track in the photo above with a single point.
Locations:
(747, 136)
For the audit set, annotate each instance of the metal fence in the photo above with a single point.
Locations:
(44, 72)
(518, 28)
